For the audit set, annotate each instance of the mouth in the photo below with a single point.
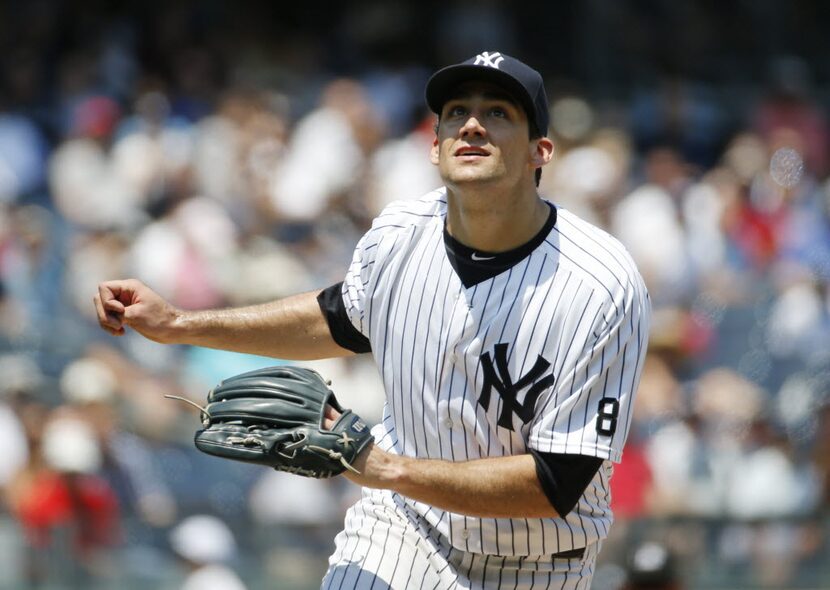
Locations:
(471, 151)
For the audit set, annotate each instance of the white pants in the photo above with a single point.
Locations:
(381, 549)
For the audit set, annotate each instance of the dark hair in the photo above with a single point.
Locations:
(538, 172)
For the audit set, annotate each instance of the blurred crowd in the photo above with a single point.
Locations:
(225, 183)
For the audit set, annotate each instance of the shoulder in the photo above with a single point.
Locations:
(412, 212)
(407, 216)
(596, 257)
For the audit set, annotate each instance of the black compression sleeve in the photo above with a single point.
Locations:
(342, 330)
(564, 477)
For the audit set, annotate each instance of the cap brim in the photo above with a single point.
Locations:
(441, 85)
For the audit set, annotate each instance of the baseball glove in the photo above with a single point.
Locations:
(274, 417)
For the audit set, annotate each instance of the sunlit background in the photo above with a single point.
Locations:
(231, 152)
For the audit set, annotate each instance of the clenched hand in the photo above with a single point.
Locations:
(132, 303)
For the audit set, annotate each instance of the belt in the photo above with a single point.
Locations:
(570, 554)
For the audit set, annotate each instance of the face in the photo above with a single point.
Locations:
(483, 138)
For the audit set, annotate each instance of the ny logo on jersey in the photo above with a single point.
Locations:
(497, 376)
(487, 59)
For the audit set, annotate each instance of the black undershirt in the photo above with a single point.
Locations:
(342, 330)
(562, 477)
(475, 266)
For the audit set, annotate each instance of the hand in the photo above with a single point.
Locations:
(378, 469)
(330, 417)
(132, 303)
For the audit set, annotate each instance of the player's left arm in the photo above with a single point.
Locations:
(533, 485)
(497, 487)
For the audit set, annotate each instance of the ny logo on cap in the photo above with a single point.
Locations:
(486, 59)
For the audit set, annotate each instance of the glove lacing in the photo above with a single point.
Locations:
(344, 440)
(203, 416)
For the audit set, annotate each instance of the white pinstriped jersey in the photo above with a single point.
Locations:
(545, 356)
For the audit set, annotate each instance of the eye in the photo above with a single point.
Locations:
(456, 111)
(499, 112)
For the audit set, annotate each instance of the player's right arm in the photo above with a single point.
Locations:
(292, 328)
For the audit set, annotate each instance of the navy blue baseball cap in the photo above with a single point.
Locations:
(518, 78)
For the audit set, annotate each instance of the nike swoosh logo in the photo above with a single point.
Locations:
(477, 257)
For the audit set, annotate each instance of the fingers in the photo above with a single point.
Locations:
(110, 320)
(118, 292)
(330, 417)
(110, 304)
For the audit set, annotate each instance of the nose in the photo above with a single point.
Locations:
(472, 126)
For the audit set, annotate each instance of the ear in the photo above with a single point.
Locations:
(433, 152)
(542, 152)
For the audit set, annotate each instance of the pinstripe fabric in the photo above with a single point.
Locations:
(415, 556)
(576, 305)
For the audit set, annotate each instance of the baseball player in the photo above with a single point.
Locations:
(509, 335)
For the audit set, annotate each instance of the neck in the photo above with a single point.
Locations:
(494, 222)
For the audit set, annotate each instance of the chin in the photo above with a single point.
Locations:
(473, 176)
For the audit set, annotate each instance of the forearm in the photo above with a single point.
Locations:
(291, 328)
(499, 487)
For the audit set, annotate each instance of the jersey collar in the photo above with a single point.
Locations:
(475, 266)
